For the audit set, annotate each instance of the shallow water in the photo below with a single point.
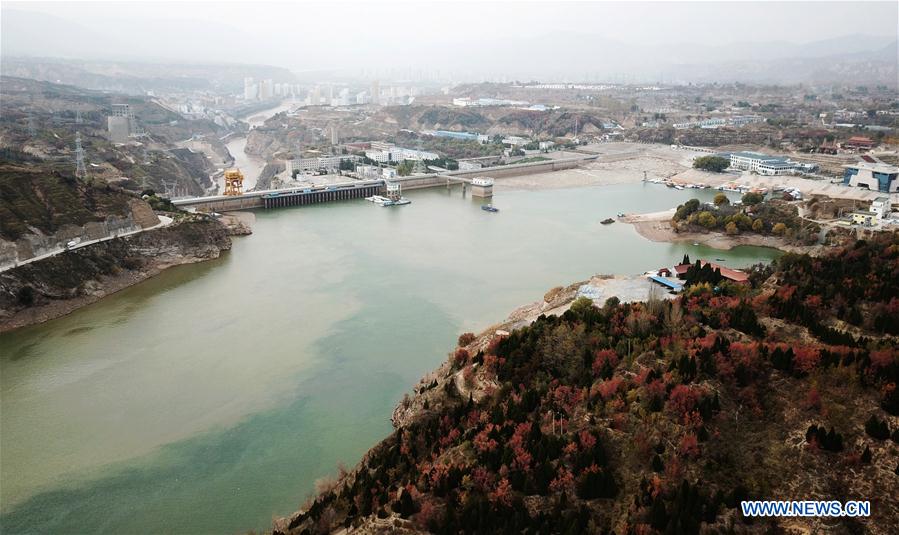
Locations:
(210, 398)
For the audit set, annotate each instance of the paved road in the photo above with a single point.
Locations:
(164, 221)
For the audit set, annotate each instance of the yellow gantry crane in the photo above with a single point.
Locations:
(233, 182)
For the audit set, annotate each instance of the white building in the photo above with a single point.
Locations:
(882, 207)
(515, 141)
(382, 156)
(398, 154)
(301, 165)
(249, 89)
(762, 164)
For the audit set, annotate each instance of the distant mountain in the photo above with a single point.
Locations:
(139, 77)
(574, 55)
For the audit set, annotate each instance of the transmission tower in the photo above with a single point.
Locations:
(78, 119)
(32, 128)
(80, 170)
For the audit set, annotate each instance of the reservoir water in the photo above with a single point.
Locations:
(210, 398)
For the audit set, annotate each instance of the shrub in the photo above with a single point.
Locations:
(877, 428)
(465, 339)
(715, 164)
(751, 198)
(25, 296)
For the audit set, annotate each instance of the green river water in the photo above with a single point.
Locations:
(210, 398)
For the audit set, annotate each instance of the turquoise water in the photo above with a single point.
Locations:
(210, 398)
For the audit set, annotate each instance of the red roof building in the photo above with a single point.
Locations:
(858, 142)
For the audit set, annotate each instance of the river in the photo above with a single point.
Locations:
(210, 398)
(252, 165)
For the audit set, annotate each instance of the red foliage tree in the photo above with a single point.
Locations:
(603, 357)
(683, 399)
(689, 446)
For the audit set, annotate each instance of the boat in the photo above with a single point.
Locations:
(378, 199)
(607, 221)
(696, 243)
(621, 214)
(720, 260)
(678, 187)
(489, 208)
(399, 202)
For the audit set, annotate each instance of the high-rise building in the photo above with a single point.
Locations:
(249, 89)
(375, 92)
(119, 123)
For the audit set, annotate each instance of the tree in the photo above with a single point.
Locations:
(731, 228)
(707, 220)
(779, 229)
(715, 164)
(721, 200)
(758, 226)
(752, 198)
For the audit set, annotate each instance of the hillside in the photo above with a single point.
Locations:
(42, 119)
(655, 417)
(46, 199)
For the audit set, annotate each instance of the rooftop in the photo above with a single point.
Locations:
(877, 167)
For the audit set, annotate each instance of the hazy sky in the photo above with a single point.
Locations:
(321, 35)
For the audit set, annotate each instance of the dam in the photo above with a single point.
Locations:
(355, 189)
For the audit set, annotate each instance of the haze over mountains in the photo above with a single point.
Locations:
(617, 44)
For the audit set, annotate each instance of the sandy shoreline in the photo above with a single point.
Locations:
(628, 163)
(657, 227)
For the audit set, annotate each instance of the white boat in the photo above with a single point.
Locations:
(378, 199)
(399, 202)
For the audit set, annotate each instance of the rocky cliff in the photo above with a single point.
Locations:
(49, 288)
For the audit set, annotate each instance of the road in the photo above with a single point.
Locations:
(164, 221)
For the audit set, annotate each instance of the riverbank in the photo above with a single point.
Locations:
(656, 226)
(441, 387)
(58, 285)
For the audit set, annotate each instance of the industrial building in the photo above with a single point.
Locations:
(301, 165)
(872, 174)
(398, 154)
(464, 136)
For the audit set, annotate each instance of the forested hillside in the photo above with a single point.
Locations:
(656, 417)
